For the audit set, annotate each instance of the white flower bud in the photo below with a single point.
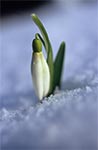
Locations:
(40, 74)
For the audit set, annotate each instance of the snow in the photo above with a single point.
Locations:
(67, 119)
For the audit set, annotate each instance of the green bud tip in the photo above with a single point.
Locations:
(37, 45)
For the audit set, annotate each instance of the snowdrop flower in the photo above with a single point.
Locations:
(46, 74)
(39, 70)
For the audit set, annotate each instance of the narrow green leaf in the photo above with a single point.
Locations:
(58, 65)
(43, 31)
(48, 48)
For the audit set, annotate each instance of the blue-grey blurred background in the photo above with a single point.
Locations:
(69, 119)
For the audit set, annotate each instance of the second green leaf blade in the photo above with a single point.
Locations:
(58, 65)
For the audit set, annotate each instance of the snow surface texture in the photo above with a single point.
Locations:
(67, 119)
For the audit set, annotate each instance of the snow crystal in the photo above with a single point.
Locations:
(88, 89)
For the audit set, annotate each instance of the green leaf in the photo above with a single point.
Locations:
(58, 65)
(48, 48)
(43, 31)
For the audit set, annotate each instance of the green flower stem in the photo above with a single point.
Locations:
(48, 48)
(37, 35)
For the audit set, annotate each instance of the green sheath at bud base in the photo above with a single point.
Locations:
(37, 45)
